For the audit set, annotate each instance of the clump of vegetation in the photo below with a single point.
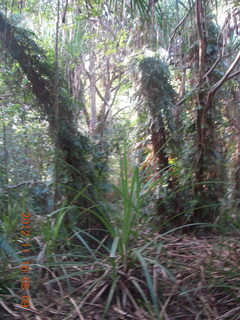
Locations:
(121, 140)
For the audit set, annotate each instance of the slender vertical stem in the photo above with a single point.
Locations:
(56, 104)
(5, 147)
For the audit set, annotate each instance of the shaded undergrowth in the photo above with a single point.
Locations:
(131, 272)
(187, 278)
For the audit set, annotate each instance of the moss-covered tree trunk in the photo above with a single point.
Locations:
(158, 95)
(73, 147)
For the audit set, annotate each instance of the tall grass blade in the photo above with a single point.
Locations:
(149, 284)
(110, 297)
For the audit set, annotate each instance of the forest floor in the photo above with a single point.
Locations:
(197, 279)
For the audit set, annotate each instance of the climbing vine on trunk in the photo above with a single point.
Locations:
(158, 95)
(73, 146)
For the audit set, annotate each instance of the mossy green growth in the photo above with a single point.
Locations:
(155, 80)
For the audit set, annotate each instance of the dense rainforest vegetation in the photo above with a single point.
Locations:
(120, 159)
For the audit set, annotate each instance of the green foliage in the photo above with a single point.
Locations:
(103, 245)
(128, 217)
(158, 92)
(125, 225)
(76, 45)
(51, 229)
(7, 249)
(155, 81)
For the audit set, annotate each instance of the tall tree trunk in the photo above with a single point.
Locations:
(92, 93)
(158, 95)
(4, 170)
(205, 172)
(74, 148)
(158, 137)
(236, 123)
(237, 172)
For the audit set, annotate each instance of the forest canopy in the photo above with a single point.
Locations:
(120, 137)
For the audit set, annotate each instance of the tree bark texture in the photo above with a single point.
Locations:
(205, 188)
